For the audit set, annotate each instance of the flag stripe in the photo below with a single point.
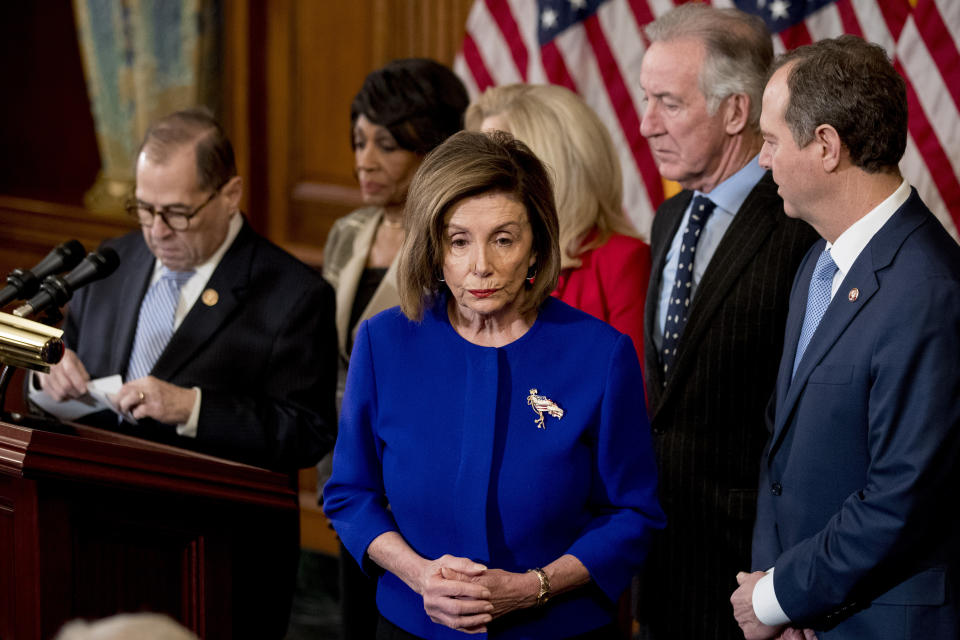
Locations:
(503, 16)
(916, 167)
(940, 45)
(481, 76)
(641, 12)
(556, 68)
(848, 18)
(796, 36)
(621, 100)
(895, 13)
(933, 154)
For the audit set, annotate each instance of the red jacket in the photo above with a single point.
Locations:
(611, 284)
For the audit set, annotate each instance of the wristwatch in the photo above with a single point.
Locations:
(543, 594)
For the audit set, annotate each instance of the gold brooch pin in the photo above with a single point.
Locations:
(543, 404)
(853, 295)
(210, 297)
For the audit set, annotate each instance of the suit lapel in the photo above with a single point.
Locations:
(229, 280)
(127, 309)
(665, 227)
(838, 316)
(877, 255)
(387, 295)
(349, 279)
(798, 304)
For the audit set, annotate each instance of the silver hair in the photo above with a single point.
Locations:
(738, 47)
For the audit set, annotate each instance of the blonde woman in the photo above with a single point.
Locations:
(605, 267)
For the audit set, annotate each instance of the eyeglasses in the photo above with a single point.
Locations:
(177, 217)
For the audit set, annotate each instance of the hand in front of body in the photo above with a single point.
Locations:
(791, 633)
(149, 397)
(512, 591)
(742, 601)
(508, 591)
(67, 379)
(449, 597)
(452, 598)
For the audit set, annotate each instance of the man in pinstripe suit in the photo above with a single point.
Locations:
(724, 255)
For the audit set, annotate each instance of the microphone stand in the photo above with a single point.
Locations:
(5, 377)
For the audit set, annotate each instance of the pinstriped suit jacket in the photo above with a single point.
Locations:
(708, 414)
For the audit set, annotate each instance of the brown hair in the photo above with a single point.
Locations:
(467, 165)
(214, 153)
(851, 85)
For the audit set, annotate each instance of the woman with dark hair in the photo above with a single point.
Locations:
(401, 112)
(494, 463)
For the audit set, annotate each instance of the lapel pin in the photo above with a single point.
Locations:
(210, 297)
(541, 405)
(853, 295)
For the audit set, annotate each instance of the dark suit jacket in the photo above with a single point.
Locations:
(858, 483)
(708, 419)
(264, 356)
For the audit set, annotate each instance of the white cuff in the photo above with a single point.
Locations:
(765, 603)
(189, 428)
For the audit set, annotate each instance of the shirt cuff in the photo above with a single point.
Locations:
(189, 428)
(765, 603)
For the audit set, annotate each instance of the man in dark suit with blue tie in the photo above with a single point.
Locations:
(716, 308)
(226, 344)
(856, 536)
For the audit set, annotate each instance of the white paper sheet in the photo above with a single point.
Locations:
(99, 396)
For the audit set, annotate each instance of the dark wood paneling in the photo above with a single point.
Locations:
(48, 146)
(307, 60)
(96, 522)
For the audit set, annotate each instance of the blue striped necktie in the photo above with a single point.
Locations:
(155, 324)
(680, 295)
(818, 299)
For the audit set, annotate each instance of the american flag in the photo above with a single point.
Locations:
(594, 47)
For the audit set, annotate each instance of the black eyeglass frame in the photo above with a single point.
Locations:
(134, 206)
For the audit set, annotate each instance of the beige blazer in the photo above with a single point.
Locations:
(344, 257)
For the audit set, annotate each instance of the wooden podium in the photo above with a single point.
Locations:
(94, 523)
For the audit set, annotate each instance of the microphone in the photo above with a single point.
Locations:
(23, 283)
(56, 290)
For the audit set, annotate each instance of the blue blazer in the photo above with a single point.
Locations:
(442, 431)
(858, 480)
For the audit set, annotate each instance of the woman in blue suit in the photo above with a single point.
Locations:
(505, 430)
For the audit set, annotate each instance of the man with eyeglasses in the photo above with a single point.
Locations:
(226, 344)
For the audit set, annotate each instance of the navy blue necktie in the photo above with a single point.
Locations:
(681, 293)
(818, 299)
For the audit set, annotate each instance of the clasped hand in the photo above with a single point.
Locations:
(465, 595)
(753, 629)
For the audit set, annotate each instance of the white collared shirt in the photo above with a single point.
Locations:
(845, 250)
(850, 244)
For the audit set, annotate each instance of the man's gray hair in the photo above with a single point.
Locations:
(738, 47)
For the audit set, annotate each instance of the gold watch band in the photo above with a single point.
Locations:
(543, 594)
